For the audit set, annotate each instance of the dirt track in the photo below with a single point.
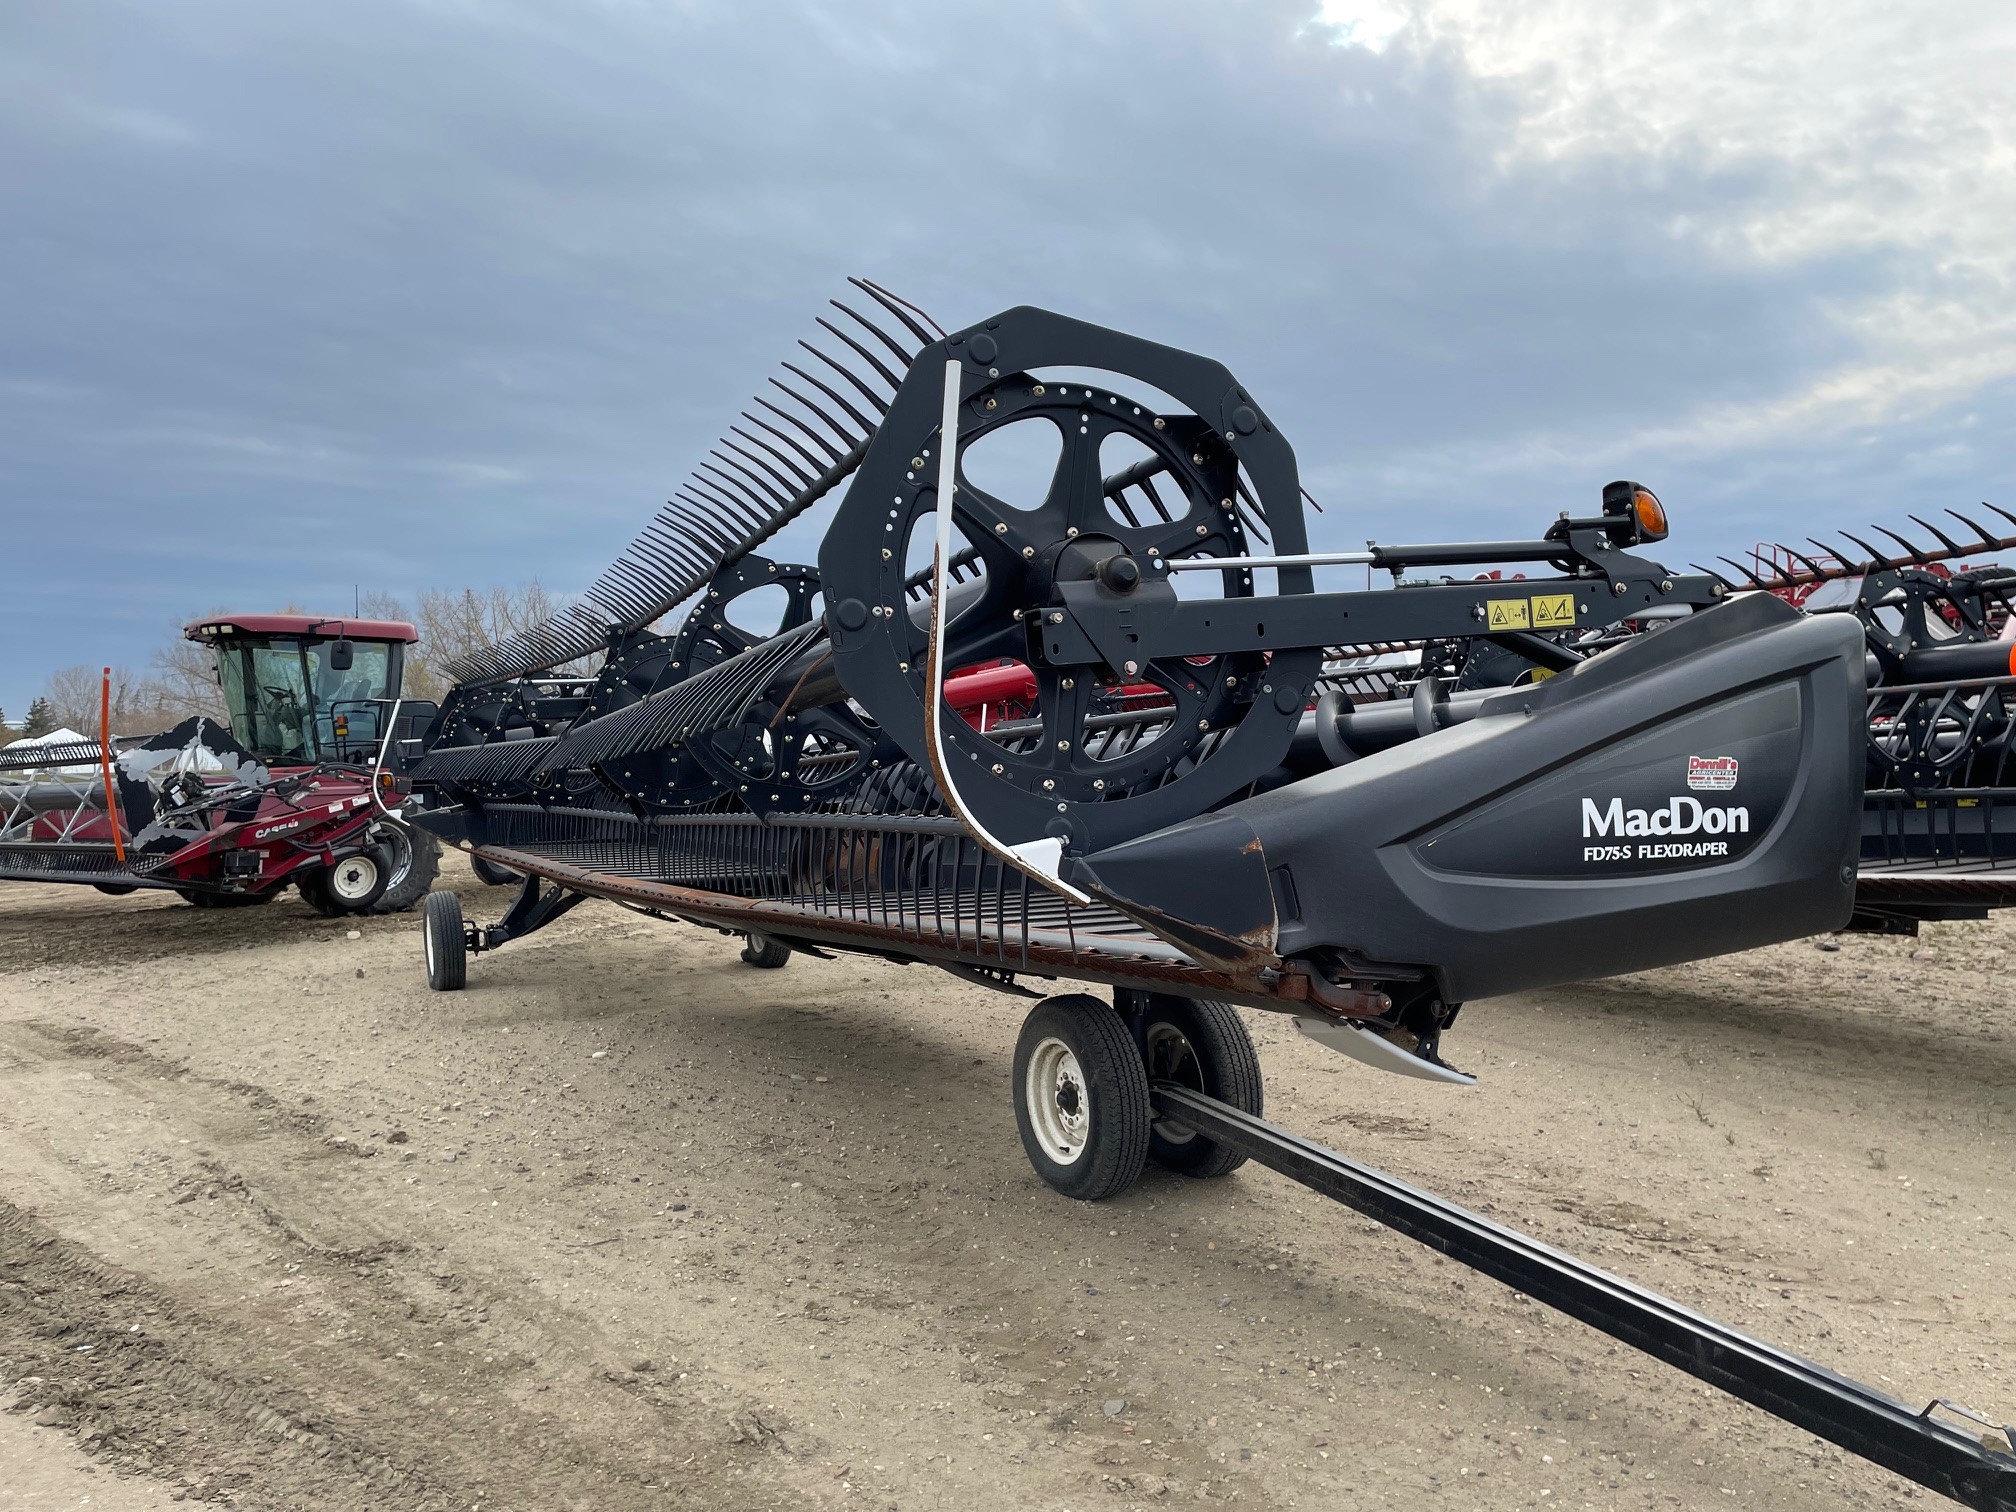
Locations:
(629, 1224)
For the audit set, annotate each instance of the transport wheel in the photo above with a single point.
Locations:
(357, 881)
(1081, 1097)
(492, 874)
(115, 889)
(416, 861)
(446, 945)
(761, 950)
(1206, 1047)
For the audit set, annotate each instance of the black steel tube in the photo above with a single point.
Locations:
(1464, 553)
(1955, 663)
(1859, 1418)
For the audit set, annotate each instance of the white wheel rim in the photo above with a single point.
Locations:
(352, 878)
(427, 941)
(1171, 1057)
(1059, 1102)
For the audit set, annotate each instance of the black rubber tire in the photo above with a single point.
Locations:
(115, 889)
(315, 893)
(1114, 1094)
(326, 900)
(1207, 1047)
(422, 864)
(493, 875)
(224, 900)
(761, 950)
(445, 943)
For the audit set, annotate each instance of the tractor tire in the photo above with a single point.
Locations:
(1081, 1097)
(493, 875)
(1207, 1048)
(761, 950)
(416, 862)
(115, 889)
(445, 942)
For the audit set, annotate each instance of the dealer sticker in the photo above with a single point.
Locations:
(1711, 774)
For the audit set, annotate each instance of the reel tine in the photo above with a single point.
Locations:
(1917, 556)
(797, 447)
(832, 452)
(788, 464)
(712, 529)
(861, 351)
(1755, 581)
(1944, 539)
(903, 354)
(720, 513)
(900, 308)
(1711, 572)
(1310, 499)
(1988, 542)
(1804, 560)
(831, 424)
(1118, 499)
(875, 400)
(1877, 558)
(866, 426)
(764, 490)
(2011, 518)
(667, 548)
(781, 484)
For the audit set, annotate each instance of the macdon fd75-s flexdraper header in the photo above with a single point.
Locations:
(1079, 723)
(1063, 698)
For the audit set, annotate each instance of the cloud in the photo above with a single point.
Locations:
(412, 294)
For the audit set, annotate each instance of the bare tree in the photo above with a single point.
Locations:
(138, 704)
(453, 623)
(185, 681)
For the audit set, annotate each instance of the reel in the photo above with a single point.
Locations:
(778, 759)
(1108, 751)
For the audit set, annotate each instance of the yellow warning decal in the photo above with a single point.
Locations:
(1553, 611)
(1507, 614)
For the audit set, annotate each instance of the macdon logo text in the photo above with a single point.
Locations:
(1681, 816)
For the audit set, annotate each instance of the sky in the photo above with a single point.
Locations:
(407, 293)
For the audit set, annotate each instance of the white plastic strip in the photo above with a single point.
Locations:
(1377, 1051)
(1306, 559)
(1039, 858)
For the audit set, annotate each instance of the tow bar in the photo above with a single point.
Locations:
(1859, 1418)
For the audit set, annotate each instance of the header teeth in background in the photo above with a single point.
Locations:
(1834, 562)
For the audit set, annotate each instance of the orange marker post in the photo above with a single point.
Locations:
(105, 764)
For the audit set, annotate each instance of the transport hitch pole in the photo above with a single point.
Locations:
(1859, 1418)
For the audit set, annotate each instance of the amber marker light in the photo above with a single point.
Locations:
(1651, 514)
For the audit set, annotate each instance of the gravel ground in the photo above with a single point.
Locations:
(629, 1224)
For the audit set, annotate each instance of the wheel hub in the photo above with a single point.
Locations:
(1060, 1112)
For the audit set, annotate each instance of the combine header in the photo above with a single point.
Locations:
(1939, 807)
(1062, 700)
(287, 796)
